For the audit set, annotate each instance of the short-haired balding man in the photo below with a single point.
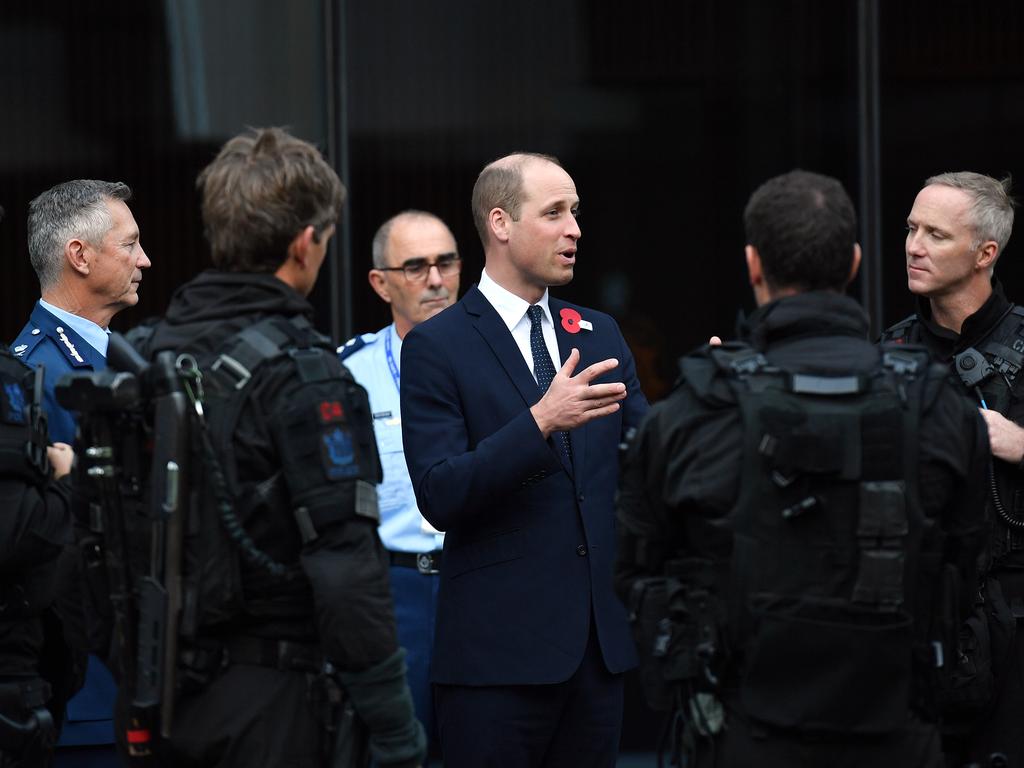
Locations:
(957, 229)
(513, 407)
(416, 268)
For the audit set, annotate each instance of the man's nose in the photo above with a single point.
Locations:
(143, 261)
(434, 277)
(914, 243)
(574, 229)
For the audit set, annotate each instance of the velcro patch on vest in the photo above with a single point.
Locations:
(331, 412)
(337, 453)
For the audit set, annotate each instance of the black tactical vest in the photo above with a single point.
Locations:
(170, 548)
(328, 433)
(988, 372)
(826, 598)
(26, 578)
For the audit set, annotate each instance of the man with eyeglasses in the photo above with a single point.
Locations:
(416, 269)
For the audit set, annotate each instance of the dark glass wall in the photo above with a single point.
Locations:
(145, 93)
(952, 85)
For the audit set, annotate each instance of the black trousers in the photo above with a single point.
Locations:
(564, 725)
(1001, 734)
(744, 744)
(248, 717)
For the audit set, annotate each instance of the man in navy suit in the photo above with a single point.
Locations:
(513, 408)
(84, 245)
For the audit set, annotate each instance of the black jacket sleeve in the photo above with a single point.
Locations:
(324, 439)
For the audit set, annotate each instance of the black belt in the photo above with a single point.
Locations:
(266, 652)
(425, 562)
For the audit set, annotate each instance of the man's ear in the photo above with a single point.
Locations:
(298, 248)
(854, 263)
(754, 269)
(987, 255)
(78, 255)
(379, 283)
(499, 222)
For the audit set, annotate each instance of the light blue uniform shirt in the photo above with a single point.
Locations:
(97, 337)
(402, 527)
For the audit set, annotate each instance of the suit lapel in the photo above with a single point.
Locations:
(494, 331)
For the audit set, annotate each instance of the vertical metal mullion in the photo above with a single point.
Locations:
(870, 161)
(336, 86)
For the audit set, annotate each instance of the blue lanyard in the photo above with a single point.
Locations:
(396, 376)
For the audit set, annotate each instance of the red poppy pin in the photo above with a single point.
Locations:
(572, 322)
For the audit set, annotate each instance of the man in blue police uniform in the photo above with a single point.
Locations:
(416, 269)
(84, 245)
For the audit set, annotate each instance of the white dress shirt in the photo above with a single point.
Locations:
(512, 311)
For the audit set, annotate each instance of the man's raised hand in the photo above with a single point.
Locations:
(572, 401)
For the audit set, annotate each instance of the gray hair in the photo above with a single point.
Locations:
(991, 204)
(74, 209)
(380, 239)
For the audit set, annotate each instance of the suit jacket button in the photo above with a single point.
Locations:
(581, 550)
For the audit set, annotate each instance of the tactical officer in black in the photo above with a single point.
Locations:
(291, 432)
(959, 225)
(799, 518)
(36, 671)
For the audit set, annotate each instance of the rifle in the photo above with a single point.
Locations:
(131, 409)
(159, 590)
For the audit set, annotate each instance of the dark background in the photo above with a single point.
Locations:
(668, 113)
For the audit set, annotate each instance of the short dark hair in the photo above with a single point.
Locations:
(500, 185)
(72, 209)
(804, 228)
(263, 188)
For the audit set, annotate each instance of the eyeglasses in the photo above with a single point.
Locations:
(416, 270)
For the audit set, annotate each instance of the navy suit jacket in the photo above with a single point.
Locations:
(530, 541)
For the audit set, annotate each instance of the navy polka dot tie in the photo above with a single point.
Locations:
(544, 370)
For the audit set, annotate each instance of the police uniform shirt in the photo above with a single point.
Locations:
(61, 342)
(402, 527)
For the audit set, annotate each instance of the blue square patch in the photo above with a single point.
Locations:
(337, 454)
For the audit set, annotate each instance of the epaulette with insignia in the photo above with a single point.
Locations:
(26, 342)
(354, 344)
